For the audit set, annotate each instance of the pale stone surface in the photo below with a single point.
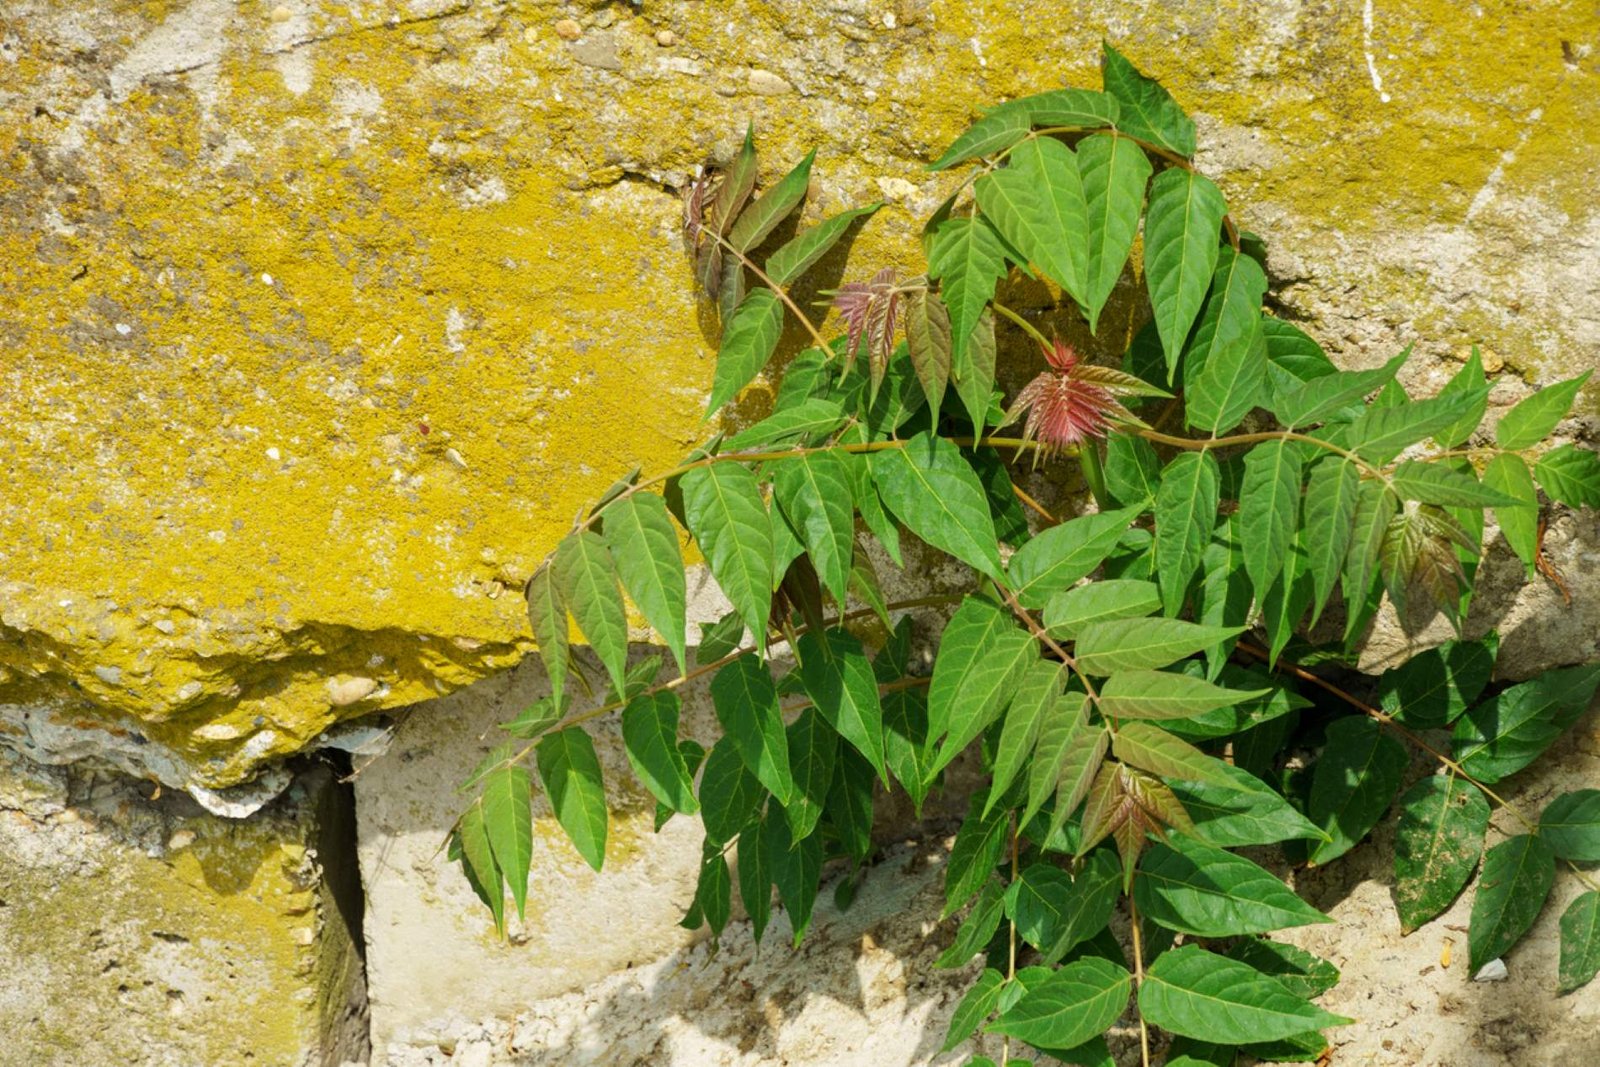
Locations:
(151, 933)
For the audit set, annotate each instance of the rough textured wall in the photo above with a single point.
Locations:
(324, 318)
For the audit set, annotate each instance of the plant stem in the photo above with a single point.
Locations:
(1027, 326)
(1138, 976)
(1011, 959)
(777, 290)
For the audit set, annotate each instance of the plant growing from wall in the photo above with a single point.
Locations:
(1122, 673)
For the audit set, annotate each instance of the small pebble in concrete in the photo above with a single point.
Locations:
(666, 38)
(767, 83)
(281, 13)
(343, 691)
(568, 29)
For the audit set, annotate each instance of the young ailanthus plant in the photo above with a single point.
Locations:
(1134, 680)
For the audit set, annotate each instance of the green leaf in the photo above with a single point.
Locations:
(967, 257)
(1437, 843)
(722, 502)
(1133, 472)
(508, 822)
(570, 771)
(1186, 504)
(905, 742)
(972, 371)
(1570, 825)
(978, 928)
(713, 891)
(1571, 475)
(748, 342)
(934, 491)
(978, 847)
(479, 866)
(1036, 694)
(813, 750)
(1269, 504)
(849, 805)
(799, 253)
(1293, 359)
(1068, 612)
(754, 871)
(1302, 973)
(1065, 759)
(1431, 689)
(1202, 995)
(797, 869)
(1076, 913)
(1225, 363)
(644, 545)
(961, 670)
(1435, 483)
(1182, 227)
(815, 493)
(1062, 554)
(1144, 694)
(1147, 111)
(1320, 396)
(1114, 171)
(650, 735)
(1510, 730)
(998, 130)
(1332, 493)
(976, 1005)
(806, 421)
(1509, 476)
(1382, 432)
(746, 703)
(1187, 1052)
(1580, 942)
(1226, 722)
(980, 691)
(1140, 644)
(1532, 419)
(1196, 889)
(1286, 602)
(547, 614)
(586, 576)
(1468, 379)
(1244, 812)
(772, 207)
(839, 680)
(1516, 880)
(1374, 508)
(539, 716)
(1152, 749)
(719, 638)
(1072, 1005)
(1051, 168)
(928, 342)
(730, 796)
(1084, 108)
(1353, 783)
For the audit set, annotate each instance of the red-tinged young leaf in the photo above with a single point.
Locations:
(1580, 942)
(1437, 844)
(870, 310)
(570, 771)
(1516, 880)
(928, 341)
(1152, 749)
(1419, 554)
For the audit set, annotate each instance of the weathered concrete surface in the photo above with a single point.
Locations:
(151, 933)
(331, 316)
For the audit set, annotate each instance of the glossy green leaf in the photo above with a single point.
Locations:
(1436, 846)
(478, 864)
(1152, 749)
(713, 892)
(570, 771)
(1531, 419)
(1375, 506)
(799, 253)
(1062, 554)
(804, 422)
(586, 576)
(772, 207)
(729, 520)
(1132, 469)
(1570, 825)
(849, 804)
(978, 847)
(1068, 612)
(967, 257)
(813, 750)
(1051, 168)
(1468, 379)
(1186, 504)
(1065, 758)
(650, 736)
(905, 742)
(1517, 876)
(933, 490)
(1382, 432)
(977, 929)
(1143, 644)
(746, 703)
(1302, 973)
(1580, 942)
(1332, 494)
(730, 796)
(972, 372)
(976, 1005)
(1436, 483)
(1432, 688)
(982, 689)
(796, 869)
(1146, 110)
(1035, 696)
(815, 493)
(1197, 889)
(1269, 505)
(838, 678)
(1324, 395)
(996, 131)
(1508, 731)
(1353, 783)
(1084, 108)
(1145, 694)
(1244, 812)
(1182, 228)
(1225, 362)
(547, 614)
(1509, 476)
(748, 342)
(1114, 171)
(1571, 475)
(719, 639)
(644, 545)
(1286, 602)
(1202, 995)
(1075, 1003)
(1228, 721)
(508, 822)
